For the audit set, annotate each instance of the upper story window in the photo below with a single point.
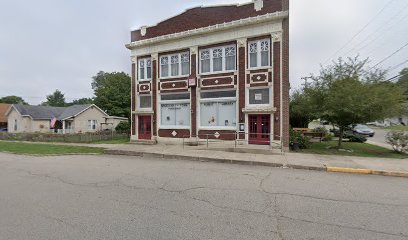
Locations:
(175, 65)
(145, 69)
(259, 53)
(218, 59)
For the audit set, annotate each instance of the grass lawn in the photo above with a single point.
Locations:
(115, 141)
(398, 128)
(359, 150)
(45, 149)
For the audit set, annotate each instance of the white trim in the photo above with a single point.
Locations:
(248, 105)
(218, 27)
(158, 111)
(218, 100)
(259, 53)
(180, 63)
(144, 60)
(151, 102)
(224, 62)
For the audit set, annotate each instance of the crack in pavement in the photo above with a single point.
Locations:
(183, 192)
(343, 226)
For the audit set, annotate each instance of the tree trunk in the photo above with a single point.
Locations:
(341, 134)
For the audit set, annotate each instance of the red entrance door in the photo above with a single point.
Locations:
(259, 129)
(145, 127)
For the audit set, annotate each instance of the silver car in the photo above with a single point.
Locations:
(363, 130)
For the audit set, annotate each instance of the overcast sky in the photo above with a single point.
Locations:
(58, 44)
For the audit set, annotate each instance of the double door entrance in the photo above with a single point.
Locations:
(259, 129)
(145, 127)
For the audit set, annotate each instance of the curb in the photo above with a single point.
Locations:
(367, 172)
(255, 163)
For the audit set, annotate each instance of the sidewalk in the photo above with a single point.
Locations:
(329, 163)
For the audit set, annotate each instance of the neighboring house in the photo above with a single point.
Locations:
(3, 118)
(73, 119)
(402, 120)
(213, 71)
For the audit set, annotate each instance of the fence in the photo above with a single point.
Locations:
(208, 139)
(68, 138)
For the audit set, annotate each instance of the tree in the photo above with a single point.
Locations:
(13, 100)
(301, 111)
(112, 93)
(345, 94)
(56, 99)
(403, 80)
(81, 101)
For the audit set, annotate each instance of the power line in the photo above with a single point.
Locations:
(398, 65)
(361, 30)
(389, 56)
(379, 30)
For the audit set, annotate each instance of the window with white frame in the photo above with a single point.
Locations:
(259, 53)
(218, 109)
(259, 96)
(145, 69)
(175, 110)
(145, 101)
(175, 65)
(92, 124)
(218, 59)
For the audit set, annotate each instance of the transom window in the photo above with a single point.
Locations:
(175, 65)
(259, 53)
(218, 110)
(259, 96)
(218, 59)
(145, 101)
(145, 69)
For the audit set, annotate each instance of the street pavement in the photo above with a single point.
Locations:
(115, 197)
(379, 138)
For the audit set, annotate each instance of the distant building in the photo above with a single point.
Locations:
(73, 119)
(213, 71)
(3, 118)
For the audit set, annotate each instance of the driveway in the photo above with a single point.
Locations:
(379, 138)
(106, 197)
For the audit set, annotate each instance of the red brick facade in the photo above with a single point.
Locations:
(275, 76)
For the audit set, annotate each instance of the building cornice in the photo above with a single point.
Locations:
(214, 28)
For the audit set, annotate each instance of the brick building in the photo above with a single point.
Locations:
(218, 71)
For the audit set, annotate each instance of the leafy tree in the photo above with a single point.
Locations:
(403, 80)
(345, 94)
(81, 101)
(13, 100)
(301, 110)
(112, 93)
(56, 99)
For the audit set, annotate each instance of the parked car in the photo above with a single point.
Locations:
(3, 129)
(363, 130)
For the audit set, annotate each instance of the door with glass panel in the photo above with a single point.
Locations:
(259, 129)
(145, 127)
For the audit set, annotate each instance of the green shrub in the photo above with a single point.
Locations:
(304, 142)
(123, 127)
(328, 137)
(321, 130)
(356, 138)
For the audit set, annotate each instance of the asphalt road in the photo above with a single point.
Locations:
(104, 197)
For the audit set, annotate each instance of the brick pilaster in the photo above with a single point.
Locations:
(193, 97)
(285, 76)
(241, 80)
(276, 89)
(154, 96)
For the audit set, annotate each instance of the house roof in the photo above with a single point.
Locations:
(201, 17)
(3, 109)
(46, 112)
